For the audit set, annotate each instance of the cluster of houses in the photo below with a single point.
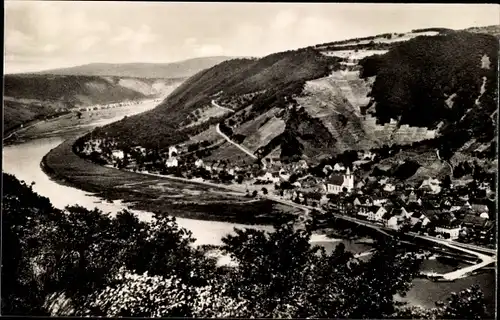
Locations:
(381, 200)
(115, 105)
(449, 218)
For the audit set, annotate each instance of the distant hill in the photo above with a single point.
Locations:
(181, 69)
(493, 30)
(32, 96)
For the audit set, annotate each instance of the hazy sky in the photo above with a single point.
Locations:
(45, 34)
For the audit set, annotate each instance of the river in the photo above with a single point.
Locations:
(23, 161)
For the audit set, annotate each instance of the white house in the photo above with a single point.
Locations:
(338, 167)
(425, 221)
(377, 201)
(431, 185)
(383, 181)
(284, 175)
(198, 163)
(324, 199)
(484, 215)
(405, 214)
(297, 184)
(172, 151)
(389, 187)
(172, 162)
(368, 155)
(268, 176)
(366, 212)
(336, 183)
(394, 222)
(118, 154)
(302, 164)
(377, 215)
(453, 231)
(416, 217)
(327, 169)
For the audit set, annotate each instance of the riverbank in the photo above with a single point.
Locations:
(10, 135)
(160, 194)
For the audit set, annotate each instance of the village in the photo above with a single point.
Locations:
(431, 207)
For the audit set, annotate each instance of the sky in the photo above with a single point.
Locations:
(42, 35)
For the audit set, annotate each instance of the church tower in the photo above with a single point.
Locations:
(348, 180)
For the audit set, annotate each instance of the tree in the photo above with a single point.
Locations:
(239, 179)
(21, 293)
(391, 265)
(272, 268)
(264, 191)
(166, 250)
(134, 295)
(446, 183)
(466, 304)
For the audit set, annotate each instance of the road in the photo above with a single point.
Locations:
(215, 104)
(456, 244)
(239, 146)
(245, 150)
(460, 273)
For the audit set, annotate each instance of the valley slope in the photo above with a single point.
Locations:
(30, 97)
(433, 85)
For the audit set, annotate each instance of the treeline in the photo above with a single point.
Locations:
(440, 30)
(57, 88)
(89, 263)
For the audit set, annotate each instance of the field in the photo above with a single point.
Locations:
(230, 152)
(71, 124)
(261, 130)
(155, 194)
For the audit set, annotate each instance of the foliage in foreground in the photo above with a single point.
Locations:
(99, 265)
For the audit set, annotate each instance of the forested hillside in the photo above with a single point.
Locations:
(280, 75)
(430, 79)
(449, 79)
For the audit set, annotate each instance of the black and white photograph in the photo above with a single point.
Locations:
(249, 160)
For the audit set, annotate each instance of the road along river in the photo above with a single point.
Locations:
(23, 161)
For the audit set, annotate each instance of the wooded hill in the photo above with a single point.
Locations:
(424, 82)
